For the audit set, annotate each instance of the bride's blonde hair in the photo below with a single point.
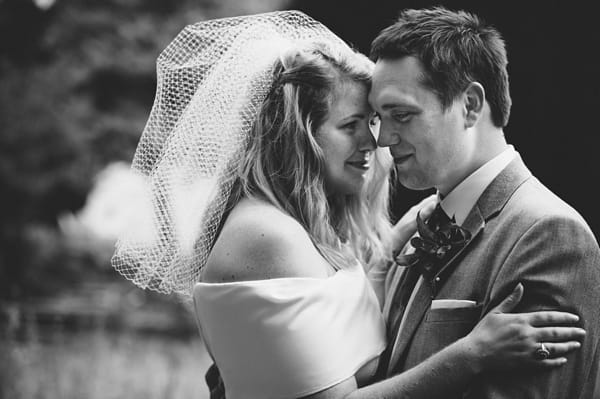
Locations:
(284, 164)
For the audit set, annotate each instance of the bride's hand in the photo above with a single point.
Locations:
(406, 227)
(503, 340)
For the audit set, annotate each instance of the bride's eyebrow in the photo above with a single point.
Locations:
(358, 115)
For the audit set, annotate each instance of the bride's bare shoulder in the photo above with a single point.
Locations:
(258, 241)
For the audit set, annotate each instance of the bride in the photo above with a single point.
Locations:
(268, 200)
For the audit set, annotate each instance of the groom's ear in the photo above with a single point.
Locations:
(474, 100)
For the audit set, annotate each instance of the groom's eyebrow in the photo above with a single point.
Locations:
(389, 106)
(398, 101)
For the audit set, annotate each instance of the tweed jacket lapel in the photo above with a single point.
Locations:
(394, 278)
(497, 194)
(487, 207)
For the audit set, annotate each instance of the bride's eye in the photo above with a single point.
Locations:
(350, 125)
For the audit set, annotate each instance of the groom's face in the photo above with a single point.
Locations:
(427, 142)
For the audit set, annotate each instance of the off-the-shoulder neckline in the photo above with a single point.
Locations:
(350, 269)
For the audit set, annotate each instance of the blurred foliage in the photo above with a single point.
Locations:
(77, 81)
(103, 365)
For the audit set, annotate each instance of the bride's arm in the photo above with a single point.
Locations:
(500, 341)
(446, 372)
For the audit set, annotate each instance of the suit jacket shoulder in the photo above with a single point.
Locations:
(532, 201)
(522, 232)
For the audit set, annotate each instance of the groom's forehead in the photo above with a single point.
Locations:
(402, 76)
(408, 69)
(391, 94)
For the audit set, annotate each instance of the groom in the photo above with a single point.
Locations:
(440, 88)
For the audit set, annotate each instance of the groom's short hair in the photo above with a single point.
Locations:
(455, 49)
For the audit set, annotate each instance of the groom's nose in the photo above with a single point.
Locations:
(387, 137)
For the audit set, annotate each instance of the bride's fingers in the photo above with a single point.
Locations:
(427, 206)
(406, 226)
(550, 318)
(558, 334)
(511, 301)
(556, 362)
(557, 351)
(562, 348)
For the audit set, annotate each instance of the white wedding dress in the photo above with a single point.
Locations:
(289, 337)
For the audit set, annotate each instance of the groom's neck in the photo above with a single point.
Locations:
(490, 144)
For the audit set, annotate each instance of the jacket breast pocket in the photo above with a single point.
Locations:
(443, 326)
(460, 315)
(440, 328)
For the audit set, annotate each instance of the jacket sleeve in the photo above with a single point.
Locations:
(558, 261)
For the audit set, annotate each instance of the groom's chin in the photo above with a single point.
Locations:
(411, 182)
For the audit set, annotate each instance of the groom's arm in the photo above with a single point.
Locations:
(558, 261)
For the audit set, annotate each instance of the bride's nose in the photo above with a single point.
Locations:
(367, 140)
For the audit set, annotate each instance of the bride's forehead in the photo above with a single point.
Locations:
(349, 94)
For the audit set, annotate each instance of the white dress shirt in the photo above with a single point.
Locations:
(459, 202)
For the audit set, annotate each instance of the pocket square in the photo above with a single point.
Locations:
(452, 304)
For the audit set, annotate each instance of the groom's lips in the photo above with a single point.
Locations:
(401, 159)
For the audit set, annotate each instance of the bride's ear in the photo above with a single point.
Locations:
(474, 100)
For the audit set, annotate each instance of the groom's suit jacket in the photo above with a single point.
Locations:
(521, 232)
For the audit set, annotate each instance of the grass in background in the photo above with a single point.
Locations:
(101, 364)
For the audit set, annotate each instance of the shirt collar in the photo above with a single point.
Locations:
(459, 202)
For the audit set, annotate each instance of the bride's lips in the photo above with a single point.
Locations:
(362, 164)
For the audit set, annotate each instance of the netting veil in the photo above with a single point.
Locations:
(211, 81)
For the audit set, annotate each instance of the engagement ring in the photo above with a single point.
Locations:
(542, 352)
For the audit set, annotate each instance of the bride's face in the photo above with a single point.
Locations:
(346, 140)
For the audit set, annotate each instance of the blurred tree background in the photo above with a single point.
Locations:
(77, 80)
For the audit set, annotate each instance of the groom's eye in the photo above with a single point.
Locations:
(402, 117)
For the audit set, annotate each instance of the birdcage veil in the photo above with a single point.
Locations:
(211, 82)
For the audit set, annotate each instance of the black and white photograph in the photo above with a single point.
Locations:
(222, 199)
